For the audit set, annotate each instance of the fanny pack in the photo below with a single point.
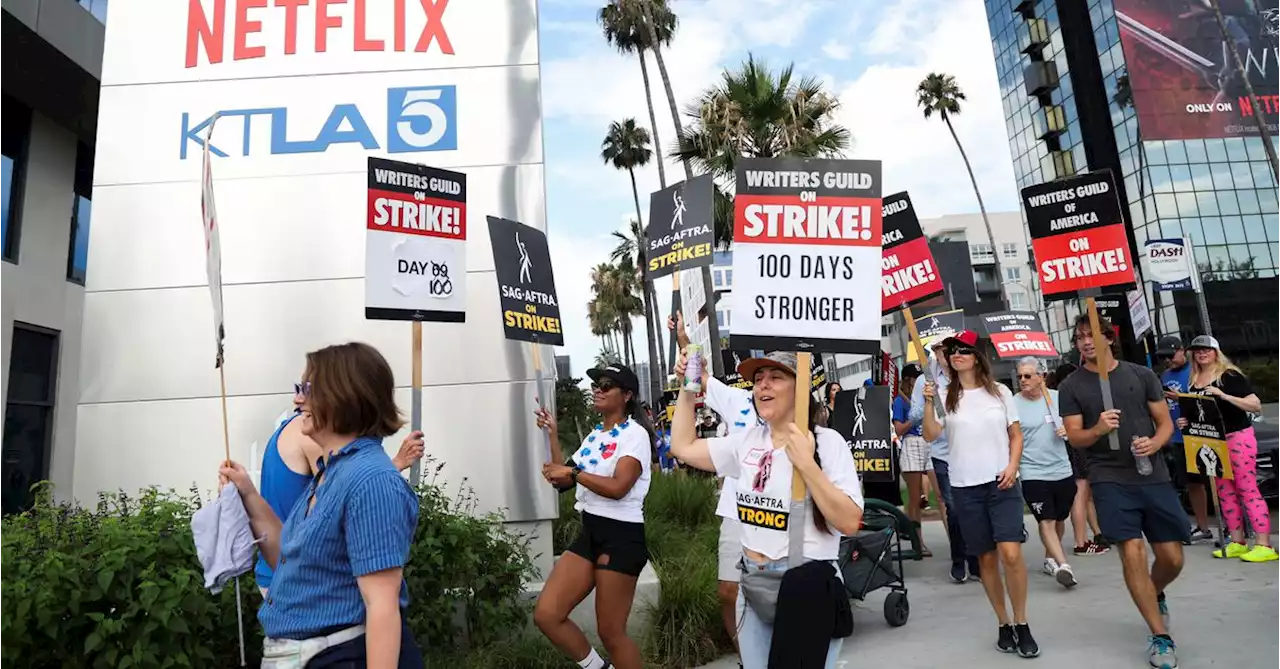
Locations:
(294, 654)
(760, 586)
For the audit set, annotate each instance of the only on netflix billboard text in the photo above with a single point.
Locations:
(806, 257)
(1184, 82)
(909, 272)
(1078, 235)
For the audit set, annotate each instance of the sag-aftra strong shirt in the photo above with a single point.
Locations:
(763, 489)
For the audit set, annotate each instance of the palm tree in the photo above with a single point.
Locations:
(631, 245)
(624, 28)
(939, 93)
(626, 147)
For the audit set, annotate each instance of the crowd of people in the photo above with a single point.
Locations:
(334, 517)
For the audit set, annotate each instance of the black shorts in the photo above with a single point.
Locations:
(1130, 511)
(987, 516)
(1079, 462)
(1050, 500)
(612, 544)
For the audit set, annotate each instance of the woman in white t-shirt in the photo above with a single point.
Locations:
(760, 460)
(982, 428)
(611, 472)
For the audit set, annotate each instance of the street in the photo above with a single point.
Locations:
(1224, 614)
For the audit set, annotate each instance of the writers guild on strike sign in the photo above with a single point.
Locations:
(909, 273)
(1078, 235)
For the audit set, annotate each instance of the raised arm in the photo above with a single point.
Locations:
(932, 425)
(684, 442)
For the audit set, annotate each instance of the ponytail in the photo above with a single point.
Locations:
(637, 413)
(819, 520)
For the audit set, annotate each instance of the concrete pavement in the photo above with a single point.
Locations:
(1224, 612)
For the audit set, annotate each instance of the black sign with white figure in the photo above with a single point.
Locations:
(527, 287)
(679, 235)
(862, 417)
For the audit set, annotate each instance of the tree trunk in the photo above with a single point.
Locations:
(986, 222)
(717, 366)
(653, 124)
(650, 320)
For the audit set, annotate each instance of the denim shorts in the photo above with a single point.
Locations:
(1130, 511)
(988, 516)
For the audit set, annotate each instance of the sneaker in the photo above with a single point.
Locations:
(957, 574)
(1007, 642)
(1027, 646)
(1234, 550)
(1164, 611)
(1199, 535)
(1162, 651)
(1260, 553)
(1050, 567)
(1091, 548)
(1065, 577)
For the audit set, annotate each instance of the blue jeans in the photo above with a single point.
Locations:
(755, 638)
(958, 557)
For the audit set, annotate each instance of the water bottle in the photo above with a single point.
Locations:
(1143, 461)
(693, 369)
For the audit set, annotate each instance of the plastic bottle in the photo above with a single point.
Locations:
(693, 369)
(1143, 461)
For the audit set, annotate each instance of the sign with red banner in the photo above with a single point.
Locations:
(1018, 333)
(1078, 235)
(909, 273)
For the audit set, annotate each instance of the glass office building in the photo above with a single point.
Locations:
(1069, 109)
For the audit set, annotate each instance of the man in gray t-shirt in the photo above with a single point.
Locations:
(1130, 505)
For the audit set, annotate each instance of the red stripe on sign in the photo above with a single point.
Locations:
(785, 219)
(1093, 258)
(390, 211)
(1018, 344)
(908, 274)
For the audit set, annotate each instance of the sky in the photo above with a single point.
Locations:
(870, 53)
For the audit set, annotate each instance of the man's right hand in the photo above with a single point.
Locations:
(677, 325)
(682, 363)
(1107, 422)
(1170, 395)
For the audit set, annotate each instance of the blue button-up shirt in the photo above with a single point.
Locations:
(938, 448)
(362, 522)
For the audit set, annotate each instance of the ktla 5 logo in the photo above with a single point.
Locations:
(419, 118)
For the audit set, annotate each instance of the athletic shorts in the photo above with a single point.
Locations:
(730, 552)
(914, 454)
(1130, 511)
(1050, 500)
(612, 544)
(988, 516)
(1079, 463)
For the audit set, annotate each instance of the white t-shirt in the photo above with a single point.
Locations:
(762, 494)
(978, 435)
(737, 414)
(599, 454)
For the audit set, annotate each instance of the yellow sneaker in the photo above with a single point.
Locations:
(1234, 550)
(1261, 553)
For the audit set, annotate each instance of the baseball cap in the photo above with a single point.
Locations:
(784, 360)
(964, 338)
(1168, 345)
(911, 371)
(619, 374)
(1205, 341)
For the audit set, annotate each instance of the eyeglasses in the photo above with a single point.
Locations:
(1026, 377)
(604, 386)
(302, 389)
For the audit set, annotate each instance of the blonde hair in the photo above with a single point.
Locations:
(1220, 366)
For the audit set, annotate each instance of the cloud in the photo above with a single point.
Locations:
(836, 50)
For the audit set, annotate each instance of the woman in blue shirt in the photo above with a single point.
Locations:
(339, 588)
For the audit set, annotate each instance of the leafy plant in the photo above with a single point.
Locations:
(1264, 375)
(566, 526)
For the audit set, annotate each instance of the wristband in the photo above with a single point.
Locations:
(573, 475)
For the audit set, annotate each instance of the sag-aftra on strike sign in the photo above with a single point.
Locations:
(1078, 235)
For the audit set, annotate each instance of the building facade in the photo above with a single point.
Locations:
(1069, 108)
(52, 67)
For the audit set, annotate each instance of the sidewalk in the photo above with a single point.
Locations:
(1224, 615)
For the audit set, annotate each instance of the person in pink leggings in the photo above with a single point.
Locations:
(1213, 374)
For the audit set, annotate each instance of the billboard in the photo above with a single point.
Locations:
(1183, 79)
(307, 94)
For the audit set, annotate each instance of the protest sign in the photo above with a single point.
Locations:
(1204, 438)
(679, 235)
(1078, 235)
(1169, 265)
(909, 274)
(415, 243)
(937, 326)
(1018, 333)
(862, 417)
(522, 261)
(806, 258)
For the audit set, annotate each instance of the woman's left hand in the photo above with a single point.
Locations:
(1008, 477)
(799, 445)
(558, 475)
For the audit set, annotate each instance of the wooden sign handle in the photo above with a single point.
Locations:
(915, 337)
(1103, 351)
(415, 410)
(804, 363)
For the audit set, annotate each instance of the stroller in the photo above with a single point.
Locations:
(872, 558)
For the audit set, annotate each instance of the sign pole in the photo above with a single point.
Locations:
(803, 365)
(1104, 362)
(415, 412)
(1201, 306)
(915, 336)
(537, 380)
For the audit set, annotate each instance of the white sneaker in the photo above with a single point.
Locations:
(1065, 577)
(1050, 567)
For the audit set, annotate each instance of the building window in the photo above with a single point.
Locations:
(722, 317)
(981, 252)
(1017, 300)
(17, 129)
(28, 414)
(728, 278)
(1009, 250)
(96, 7)
(82, 208)
(1013, 274)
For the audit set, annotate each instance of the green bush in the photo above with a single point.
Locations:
(567, 525)
(1265, 376)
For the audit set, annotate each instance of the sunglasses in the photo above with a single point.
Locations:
(604, 386)
(1026, 377)
(962, 350)
(302, 389)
